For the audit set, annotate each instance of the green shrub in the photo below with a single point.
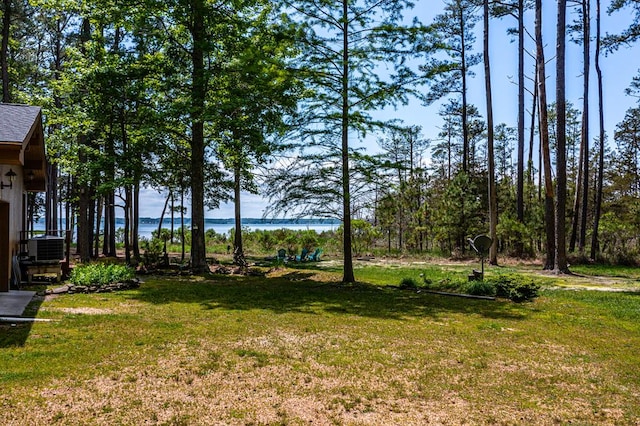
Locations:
(100, 274)
(454, 284)
(426, 282)
(308, 239)
(165, 234)
(267, 239)
(408, 283)
(480, 288)
(515, 287)
(213, 237)
(153, 251)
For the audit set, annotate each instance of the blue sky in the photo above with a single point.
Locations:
(618, 70)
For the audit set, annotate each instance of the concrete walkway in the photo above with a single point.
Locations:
(13, 303)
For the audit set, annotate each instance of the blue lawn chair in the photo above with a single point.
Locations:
(315, 256)
(303, 255)
(282, 255)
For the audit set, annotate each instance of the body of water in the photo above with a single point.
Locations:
(224, 226)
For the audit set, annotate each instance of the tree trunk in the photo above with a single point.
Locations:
(112, 224)
(400, 203)
(549, 213)
(68, 208)
(182, 230)
(520, 164)
(173, 212)
(84, 239)
(465, 126)
(561, 265)
(530, 166)
(581, 199)
(198, 95)
(136, 219)
(109, 247)
(92, 217)
(4, 51)
(106, 231)
(493, 199)
(238, 250)
(577, 201)
(531, 176)
(348, 275)
(127, 224)
(62, 214)
(51, 198)
(595, 248)
(164, 210)
(586, 26)
(98, 223)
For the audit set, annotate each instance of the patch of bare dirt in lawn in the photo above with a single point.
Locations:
(212, 385)
(82, 310)
(177, 394)
(590, 282)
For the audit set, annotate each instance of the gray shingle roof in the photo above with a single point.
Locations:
(16, 122)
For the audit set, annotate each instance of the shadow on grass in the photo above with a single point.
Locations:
(295, 292)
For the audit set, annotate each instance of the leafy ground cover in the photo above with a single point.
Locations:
(297, 347)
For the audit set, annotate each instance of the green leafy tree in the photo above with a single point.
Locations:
(344, 44)
(363, 236)
(627, 164)
(628, 35)
(403, 152)
(260, 93)
(200, 43)
(504, 137)
(447, 151)
(453, 34)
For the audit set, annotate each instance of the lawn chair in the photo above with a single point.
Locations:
(282, 255)
(303, 255)
(315, 256)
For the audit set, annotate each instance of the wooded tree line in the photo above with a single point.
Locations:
(204, 99)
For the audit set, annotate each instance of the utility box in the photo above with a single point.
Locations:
(46, 249)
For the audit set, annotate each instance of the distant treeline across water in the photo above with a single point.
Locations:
(245, 221)
(222, 225)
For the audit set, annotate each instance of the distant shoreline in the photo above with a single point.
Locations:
(231, 221)
(244, 221)
(147, 225)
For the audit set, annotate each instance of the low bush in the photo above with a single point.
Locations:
(408, 283)
(508, 286)
(514, 287)
(153, 251)
(454, 284)
(100, 274)
(480, 288)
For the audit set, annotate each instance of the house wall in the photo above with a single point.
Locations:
(14, 198)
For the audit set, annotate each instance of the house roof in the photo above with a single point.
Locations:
(22, 143)
(16, 122)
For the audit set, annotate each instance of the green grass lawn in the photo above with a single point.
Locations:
(296, 347)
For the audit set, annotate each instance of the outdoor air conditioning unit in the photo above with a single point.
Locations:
(46, 249)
